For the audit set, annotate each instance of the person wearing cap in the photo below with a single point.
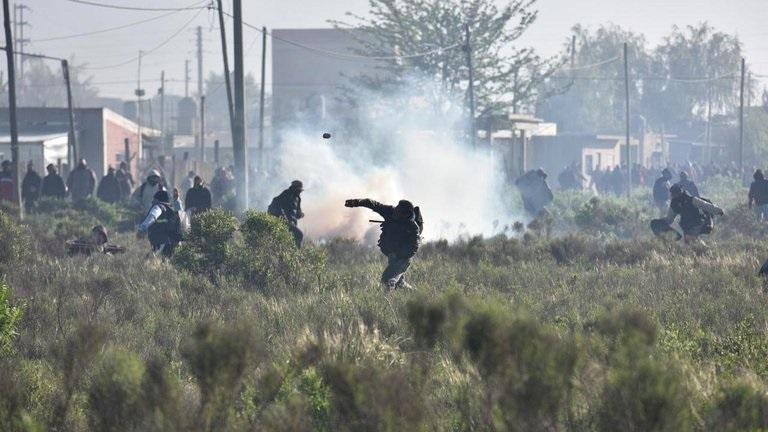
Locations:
(6, 182)
(94, 242)
(695, 213)
(144, 195)
(758, 195)
(688, 185)
(400, 237)
(534, 191)
(30, 186)
(661, 190)
(53, 184)
(81, 182)
(287, 206)
(109, 188)
(162, 225)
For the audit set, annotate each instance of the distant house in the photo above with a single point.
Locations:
(592, 152)
(101, 134)
(41, 148)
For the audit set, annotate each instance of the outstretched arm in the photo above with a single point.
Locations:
(382, 209)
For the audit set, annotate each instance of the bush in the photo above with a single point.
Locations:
(10, 316)
(115, 397)
(740, 406)
(14, 240)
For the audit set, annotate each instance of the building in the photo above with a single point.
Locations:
(41, 148)
(592, 152)
(307, 84)
(103, 136)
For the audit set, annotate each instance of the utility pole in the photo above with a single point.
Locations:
(626, 109)
(708, 131)
(261, 96)
(161, 91)
(72, 138)
(12, 106)
(225, 56)
(139, 93)
(21, 41)
(470, 85)
(741, 118)
(186, 78)
(239, 148)
(202, 128)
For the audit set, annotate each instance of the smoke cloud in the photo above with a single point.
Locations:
(412, 150)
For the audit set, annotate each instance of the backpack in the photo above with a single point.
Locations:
(709, 223)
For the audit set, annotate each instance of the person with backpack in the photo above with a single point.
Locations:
(287, 206)
(758, 195)
(688, 185)
(162, 225)
(695, 213)
(400, 237)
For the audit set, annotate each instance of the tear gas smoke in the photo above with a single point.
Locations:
(413, 152)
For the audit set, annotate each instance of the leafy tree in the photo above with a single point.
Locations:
(216, 110)
(506, 75)
(594, 102)
(43, 85)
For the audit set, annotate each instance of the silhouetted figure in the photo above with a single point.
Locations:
(125, 180)
(109, 188)
(400, 237)
(661, 190)
(695, 213)
(7, 185)
(188, 182)
(143, 196)
(287, 206)
(688, 185)
(534, 191)
(758, 195)
(30, 187)
(198, 198)
(81, 182)
(53, 184)
(222, 187)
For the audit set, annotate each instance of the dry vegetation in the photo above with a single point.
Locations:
(609, 329)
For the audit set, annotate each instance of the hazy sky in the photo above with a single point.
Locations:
(53, 18)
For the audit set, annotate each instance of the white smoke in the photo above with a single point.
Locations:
(417, 156)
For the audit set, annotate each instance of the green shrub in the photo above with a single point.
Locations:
(210, 244)
(739, 406)
(14, 239)
(10, 316)
(115, 398)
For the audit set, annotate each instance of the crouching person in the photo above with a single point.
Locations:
(162, 225)
(287, 206)
(399, 240)
(695, 213)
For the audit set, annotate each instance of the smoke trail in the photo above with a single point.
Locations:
(415, 155)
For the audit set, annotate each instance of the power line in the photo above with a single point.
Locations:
(135, 8)
(150, 51)
(105, 30)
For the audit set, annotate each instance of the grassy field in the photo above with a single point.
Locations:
(587, 323)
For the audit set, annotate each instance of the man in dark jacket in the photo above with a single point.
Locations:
(109, 188)
(287, 206)
(125, 179)
(688, 185)
(81, 182)
(162, 225)
(758, 195)
(695, 213)
(661, 190)
(53, 184)
(30, 187)
(198, 197)
(534, 191)
(400, 237)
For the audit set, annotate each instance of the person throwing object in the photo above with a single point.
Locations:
(400, 237)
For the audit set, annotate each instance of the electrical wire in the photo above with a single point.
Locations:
(105, 30)
(150, 51)
(135, 8)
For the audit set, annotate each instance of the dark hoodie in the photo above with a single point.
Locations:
(399, 236)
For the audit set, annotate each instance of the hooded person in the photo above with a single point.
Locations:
(758, 195)
(30, 186)
(695, 213)
(81, 182)
(688, 185)
(534, 191)
(400, 237)
(661, 190)
(287, 206)
(109, 188)
(53, 185)
(7, 185)
(144, 195)
(198, 198)
(162, 225)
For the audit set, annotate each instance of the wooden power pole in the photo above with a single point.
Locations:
(72, 138)
(741, 118)
(626, 109)
(225, 57)
(470, 85)
(12, 105)
(239, 148)
(261, 96)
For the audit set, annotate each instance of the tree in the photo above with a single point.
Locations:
(216, 111)
(43, 85)
(594, 102)
(506, 75)
(676, 96)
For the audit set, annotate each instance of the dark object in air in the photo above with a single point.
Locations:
(661, 228)
(326, 135)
